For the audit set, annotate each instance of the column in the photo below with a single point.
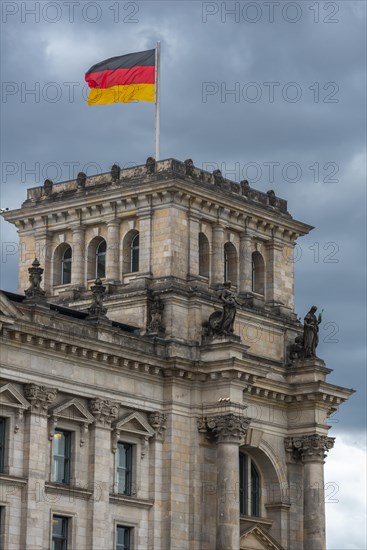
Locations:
(79, 256)
(245, 263)
(113, 251)
(36, 451)
(100, 457)
(274, 273)
(229, 431)
(312, 450)
(145, 245)
(218, 254)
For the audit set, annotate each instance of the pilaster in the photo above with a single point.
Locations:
(78, 269)
(218, 254)
(113, 251)
(245, 263)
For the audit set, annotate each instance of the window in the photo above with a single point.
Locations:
(66, 266)
(249, 487)
(134, 263)
(101, 260)
(258, 273)
(124, 468)
(62, 456)
(230, 263)
(60, 533)
(203, 255)
(131, 247)
(123, 538)
(2, 443)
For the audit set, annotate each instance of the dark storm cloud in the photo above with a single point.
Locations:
(321, 135)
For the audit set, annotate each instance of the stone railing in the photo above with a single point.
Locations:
(156, 170)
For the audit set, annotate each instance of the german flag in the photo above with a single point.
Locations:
(123, 79)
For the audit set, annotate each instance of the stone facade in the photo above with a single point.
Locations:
(224, 436)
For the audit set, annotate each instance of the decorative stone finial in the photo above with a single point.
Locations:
(34, 292)
(150, 165)
(115, 172)
(97, 311)
(189, 167)
(81, 180)
(272, 197)
(47, 188)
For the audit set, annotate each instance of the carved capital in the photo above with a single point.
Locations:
(40, 397)
(158, 421)
(308, 448)
(104, 410)
(227, 428)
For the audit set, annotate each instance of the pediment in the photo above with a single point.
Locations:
(10, 397)
(9, 312)
(72, 410)
(134, 423)
(255, 538)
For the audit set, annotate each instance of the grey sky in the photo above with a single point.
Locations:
(318, 59)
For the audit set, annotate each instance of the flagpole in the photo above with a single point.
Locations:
(157, 99)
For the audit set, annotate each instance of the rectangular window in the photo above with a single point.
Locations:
(123, 538)
(60, 527)
(124, 468)
(62, 456)
(2, 443)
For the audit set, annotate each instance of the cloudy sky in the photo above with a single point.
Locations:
(273, 92)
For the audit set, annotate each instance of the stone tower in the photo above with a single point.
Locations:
(193, 411)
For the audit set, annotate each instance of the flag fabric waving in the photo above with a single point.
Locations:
(123, 79)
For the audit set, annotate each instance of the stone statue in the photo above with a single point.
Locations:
(97, 309)
(115, 172)
(311, 332)
(272, 198)
(155, 324)
(150, 165)
(81, 180)
(218, 178)
(189, 167)
(47, 187)
(222, 322)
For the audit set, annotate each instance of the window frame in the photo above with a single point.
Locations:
(249, 486)
(64, 263)
(100, 256)
(3, 441)
(68, 455)
(67, 524)
(129, 471)
(130, 531)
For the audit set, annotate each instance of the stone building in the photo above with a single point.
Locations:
(145, 404)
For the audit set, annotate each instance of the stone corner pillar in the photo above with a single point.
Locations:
(228, 430)
(312, 450)
(217, 274)
(78, 267)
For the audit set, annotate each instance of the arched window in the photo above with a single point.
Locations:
(230, 263)
(62, 264)
(258, 273)
(101, 259)
(249, 486)
(66, 260)
(134, 254)
(97, 258)
(131, 252)
(203, 255)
